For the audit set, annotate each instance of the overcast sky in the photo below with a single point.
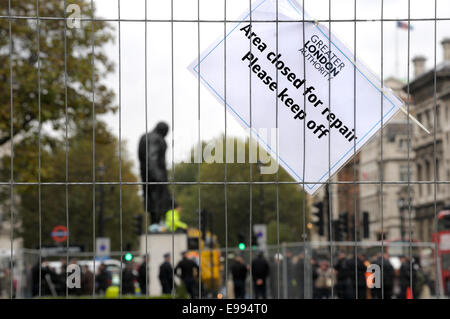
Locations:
(159, 107)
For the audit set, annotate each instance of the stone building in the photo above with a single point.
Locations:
(341, 197)
(348, 196)
(387, 158)
(422, 93)
(394, 163)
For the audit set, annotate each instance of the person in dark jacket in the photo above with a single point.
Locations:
(61, 279)
(128, 279)
(404, 277)
(102, 278)
(87, 281)
(357, 272)
(239, 271)
(343, 280)
(260, 272)
(166, 275)
(411, 272)
(386, 290)
(185, 270)
(35, 279)
(142, 277)
(45, 272)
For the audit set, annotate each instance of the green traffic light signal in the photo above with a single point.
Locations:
(241, 246)
(128, 257)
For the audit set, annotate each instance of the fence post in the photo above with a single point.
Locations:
(307, 273)
(285, 271)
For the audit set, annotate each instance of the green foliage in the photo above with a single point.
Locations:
(42, 46)
(79, 195)
(285, 232)
(263, 198)
(180, 292)
(25, 62)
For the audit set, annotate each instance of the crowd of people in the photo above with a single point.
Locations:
(277, 276)
(46, 279)
(347, 279)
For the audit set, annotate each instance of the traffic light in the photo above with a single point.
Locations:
(366, 225)
(318, 221)
(254, 241)
(343, 224)
(241, 241)
(128, 257)
(337, 231)
(137, 224)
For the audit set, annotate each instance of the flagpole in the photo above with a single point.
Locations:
(397, 73)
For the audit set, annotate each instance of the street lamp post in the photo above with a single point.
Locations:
(405, 203)
(401, 208)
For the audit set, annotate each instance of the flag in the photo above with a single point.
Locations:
(404, 25)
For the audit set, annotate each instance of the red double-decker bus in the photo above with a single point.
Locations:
(443, 239)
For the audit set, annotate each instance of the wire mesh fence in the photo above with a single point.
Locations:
(298, 266)
(82, 79)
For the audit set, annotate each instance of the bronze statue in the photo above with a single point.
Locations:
(152, 157)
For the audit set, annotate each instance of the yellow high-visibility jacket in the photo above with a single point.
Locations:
(177, 223)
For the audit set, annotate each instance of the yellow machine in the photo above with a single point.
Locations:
(210, 266)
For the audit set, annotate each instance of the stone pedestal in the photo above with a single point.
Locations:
(159, 244)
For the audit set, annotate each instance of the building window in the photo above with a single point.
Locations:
(404, 172)
(403, 143)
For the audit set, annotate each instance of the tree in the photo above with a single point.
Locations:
(80, 191)
(283, 231)
(25, 62)
(264, 198)
(39, 53)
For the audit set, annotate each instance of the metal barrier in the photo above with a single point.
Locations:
(354, 191)
(292, 271)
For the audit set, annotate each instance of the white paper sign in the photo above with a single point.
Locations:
(330, 131)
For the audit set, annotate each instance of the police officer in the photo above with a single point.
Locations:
(166, 275)
(185, 270)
